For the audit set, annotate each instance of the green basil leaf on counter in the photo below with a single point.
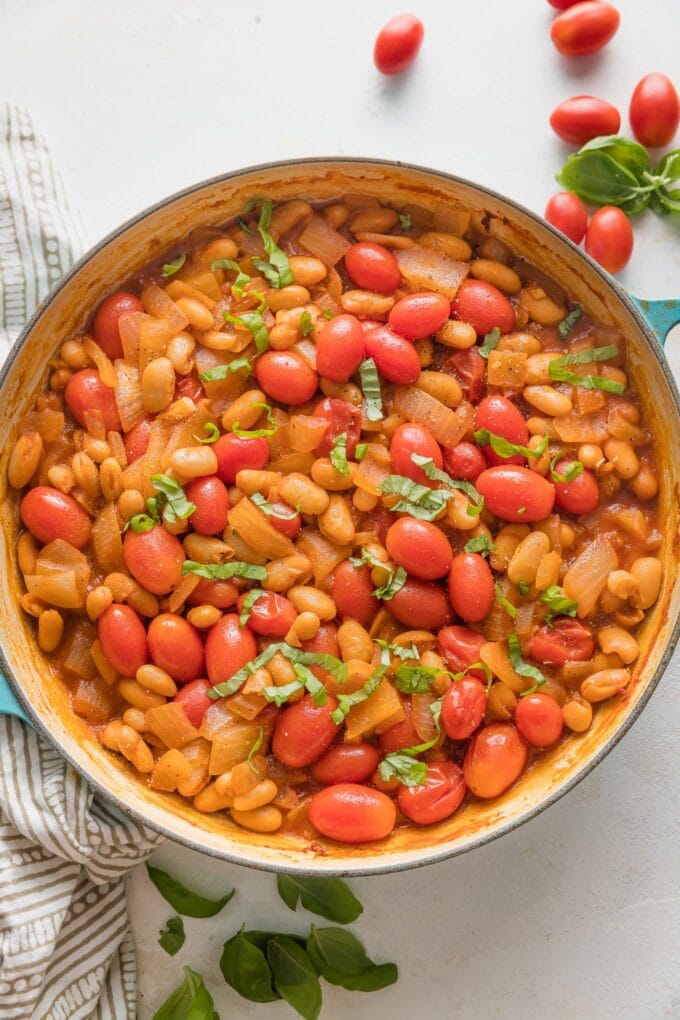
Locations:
(340, 958)
(172, 937)
(328, 897)
(370, 387)
(184, 901)
(294, 976)
(190, 1001)
(629, 154)
(666, 198)
(244, 966)
(598, 178)
(170, 268)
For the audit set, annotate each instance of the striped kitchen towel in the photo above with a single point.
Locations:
(66, 949)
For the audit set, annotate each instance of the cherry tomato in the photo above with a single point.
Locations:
(154, 558)
(516, 494)
(539, 720)
(460, 647)
(380, 521)
(285, 377)
(409, 439)
(372, 267)
(421, 548)
(419, 315)
(484, 306)
(345, 763)
(463, 707)
(402, 734)
(340, 348)
(350, 813)
(193, 697)
(609, 238)
(469, 369)
(396, 359)
(500, 416)
(437, 798)
(343, 417)
(237, 453)
(471, 590)
(398, 43)
(221, 594)
(189, 386)
(568, 213)
(287, 525)
(654, 110)
(50, 514)
(421, 604)
(584, 28)
(137, 440)
(580, 496)
(303, 731)
(270, 614)
(562, 5)
(211, 499)
(464, 461)
(566, 640)
(326, 641)
(581, 118)
(494, 759)
(86, 392)
(123, 639)
(105, 325)
(176, 647)
(228, 648)
(352, 590)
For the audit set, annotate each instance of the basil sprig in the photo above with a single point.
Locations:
(170, 268)
(370, 387)
(557, 603)
(328, 897)
(417, 500)
(190, 999)
(558, 369)
(222, 371)
(172, 937)
(504, 448)
(524, 669)
(416, 679)
(304, 678)
(184, 900)
(276, 271)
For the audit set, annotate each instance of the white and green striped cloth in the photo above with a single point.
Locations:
(66, 950)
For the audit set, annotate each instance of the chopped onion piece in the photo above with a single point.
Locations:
(106, 540)
(447, 426)
(319, 238)
(587, 576)
(323, 554)
(382, 709)
(256, 531)
(306, 350)
(305, 432)
(128, 395)
(158, 304)
(48, 424)
(107, 372)
(450, 220)
(426, 269)
(56, 589)
(232, 745)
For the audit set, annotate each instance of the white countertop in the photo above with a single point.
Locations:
(577, 914)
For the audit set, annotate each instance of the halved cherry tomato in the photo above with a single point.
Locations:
(581, 118)
(469, 368)
(211, 499)
(193, 697)
(286, 525)
(539, 719)
(228, 648)
(494, 759)
(470, 584)
(409, 439)
(464, 461)
(396, 359)
(372, 267)
(176, 647)
(398, 43)
(154, 558)
(421, 548)
(270, 614)
(437, 798)
(419, 315)
(516, 494)
(351, 813)
(460, 647)
(421, 604)
(340, 348)
(345, 763)
(499, 415)
(484, 306)
(343, 417)
(568, 213)
(584, 28)
(463, 707)
(137, 440)
(402, 734)
(352, 590)
(580, 496)
(86, 392)
(285, 377)
(189, 386)
(609, 238)
(50, 514)
(123, 639)
(566, 640)
(654, 110)
(221, 594)
(105, 324)
(236, 453)
(303, 731)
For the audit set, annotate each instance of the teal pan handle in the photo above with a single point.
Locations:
(8, 702)
(661, 316)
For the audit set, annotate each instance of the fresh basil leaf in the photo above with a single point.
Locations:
(311, 683)
(277, 270)
(571, 472)
(559, 371)
(170, 268)
(222, 371)
(223, 571)
(327, 313)
(629, 154)
(172, 937)
(248, 603)
(328, 897)
(306, 326)
(257, 433)
(568, 323)
(436, 710)
(171, 497)
(598, 178)
(404, 765)
(190, 1001)
(394, 583)
(522, 587)
(481, 544)
(281, 695)
(360, 452)
(246, 227)
(417, 500)
(253, 322)
(666, 199)
(184, 901)
(346, 701)
(244, 966)
(294, 976)
(502, 601)
(402, 652)
(239, 284)
(295, 655)
(416, 679)
(338, 454)
(283, 515)
(140, 523)
(504, 448)
(405, 221)
(491, 341)
(557, 602)
(370, 387)
(524, 669)
(476, 504)
(212, 433)
(340, 958)
(257, 744)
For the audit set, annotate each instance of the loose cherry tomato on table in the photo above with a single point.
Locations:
(584, 28)
(342, 417)
(372, 267)
(396, 358)
(154, 558)
(419, 315)
(568, 213)
(471, 590)
(581, 118)
(123, 639)
(193, 697)
(350, 813)
(303, 731)
(137, 440)
(539, 720)
(421, 548)
(499, 415)
(565, 640)
(421, 604)
(352, 590)
(176, 647)
(238, 453)
(437, 798)
(228, 648)
(516, 494)
(398, 44)
(50, 514)
(609, 238)
(562, 5)
(345, 763)
(340, 348)
(484, 306)
(86, 392)
(463, 707)
(221, 594)
(494, 759)
(271, 614)
(285, 377)
(460, 647)
(211, 499)
(469, 369)
(286, 525)
(408, 439)
(464, 461)
(105, 324)
(402, 734)
(580, 496)
(654, 110)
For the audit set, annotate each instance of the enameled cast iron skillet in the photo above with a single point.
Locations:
(44, 701)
